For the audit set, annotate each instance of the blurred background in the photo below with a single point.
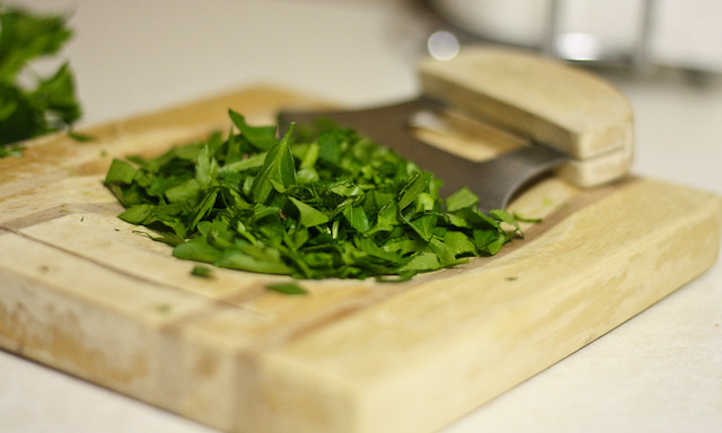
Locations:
(139, 55)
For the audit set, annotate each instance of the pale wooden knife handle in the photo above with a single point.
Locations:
(570, 109)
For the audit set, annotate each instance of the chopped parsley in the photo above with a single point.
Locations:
(320, 202)
(289, 288)
(48, 103)
(201, 271)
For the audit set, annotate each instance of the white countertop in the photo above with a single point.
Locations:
(661, 371)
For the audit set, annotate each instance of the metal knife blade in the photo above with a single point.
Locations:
(495, 181)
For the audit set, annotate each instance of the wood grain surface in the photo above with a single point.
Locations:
(91, 295)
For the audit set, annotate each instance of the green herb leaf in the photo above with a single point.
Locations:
(80, 137)
(444, 254)
(461, 199)
(45, 105)
(120, 171)
(185, 192)
(411, 190)
(387, 218)
(504, 216)
(249, 163)
(459, 243)
(278, 166)
(489, 241)
(424, 226)
(262, 137)
(201, 271)
(309, 216)
(329, 148)
(198, 249)
(426, 261)
(525, 219)
(357, 218)
(244, 262)
(138, 214)
(287, 288)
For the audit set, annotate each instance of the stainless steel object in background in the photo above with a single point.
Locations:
(638, 38)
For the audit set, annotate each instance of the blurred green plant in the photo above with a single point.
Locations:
(47, 104)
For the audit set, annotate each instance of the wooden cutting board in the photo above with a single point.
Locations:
(88, 294)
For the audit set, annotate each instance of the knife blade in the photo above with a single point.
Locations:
(495, 181)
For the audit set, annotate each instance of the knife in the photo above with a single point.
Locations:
(573, 122)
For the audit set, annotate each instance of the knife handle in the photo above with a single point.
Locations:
(546, 100)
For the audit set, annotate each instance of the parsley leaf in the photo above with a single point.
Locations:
(201, 271)
(461, 199)
(357, 218)
(262, 137)
(287, 288)
(120, 172)
(49, 104)
(309, 216)
(278, 170)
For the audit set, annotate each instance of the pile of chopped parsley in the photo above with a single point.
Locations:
(32, 105)
(320, 202)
